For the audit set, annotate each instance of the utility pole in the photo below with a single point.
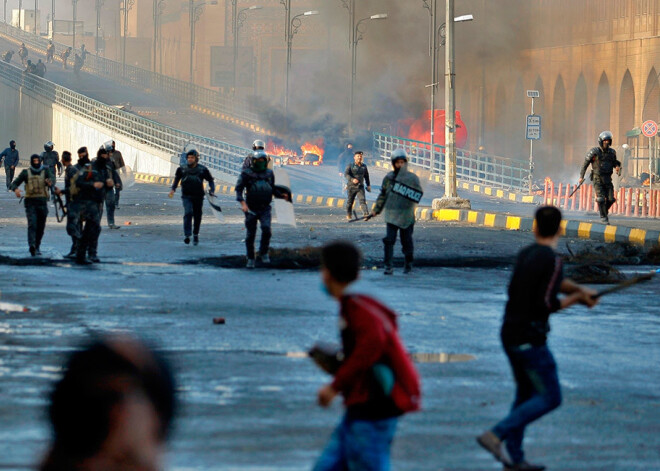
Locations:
(99, 4)
(75, 17)
(36, 7)
(128, 4)
(450, 106)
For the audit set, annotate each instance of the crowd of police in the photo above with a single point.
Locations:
(88, 186)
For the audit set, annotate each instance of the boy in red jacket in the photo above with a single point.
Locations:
(376, 377)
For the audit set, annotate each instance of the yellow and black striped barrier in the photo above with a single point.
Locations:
(570, 228)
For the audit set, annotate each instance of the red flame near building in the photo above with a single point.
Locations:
(420, 129)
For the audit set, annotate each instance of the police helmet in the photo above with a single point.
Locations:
(258, 144)
(605, 136)
(48, 146)
(260, 154)
(108, 146)
(399, 154)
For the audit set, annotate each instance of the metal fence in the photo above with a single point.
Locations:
(184, 92)
(473, 167)
(215, 154)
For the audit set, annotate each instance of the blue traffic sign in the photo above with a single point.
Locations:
(533, 129)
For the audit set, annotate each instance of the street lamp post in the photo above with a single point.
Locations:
(240, 19)
(75, 16)
(128, 4)
(195, 10)
(36, 7)
(99, 4)
(350, 6)
(292, 30)
(20, 9)
(357, 36)
(159, 8)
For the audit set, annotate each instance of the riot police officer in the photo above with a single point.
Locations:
(51, 159)
(357, 177)
(603, 162)
(400, 193)
(257, 145)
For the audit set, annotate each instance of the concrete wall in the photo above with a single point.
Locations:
(32, 120)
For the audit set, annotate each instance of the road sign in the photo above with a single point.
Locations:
(533, 94)
(533, 130)
(650, 128)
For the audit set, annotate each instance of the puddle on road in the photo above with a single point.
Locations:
(417, 357)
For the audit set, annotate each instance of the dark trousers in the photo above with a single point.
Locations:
(251, 218)
(36, 212)
(354, 191)
(9, 175)
(88, 227)
(604, 195)
(73, 225)
(192, 215)
(406, 242)
(537, 393)
(117, 192)
(109, 202)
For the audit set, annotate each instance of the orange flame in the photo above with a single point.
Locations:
(273, 149)
(548, 180)
(310, 148)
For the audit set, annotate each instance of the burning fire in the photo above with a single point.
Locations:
(309, 148)
(273, 149)
(547, 180)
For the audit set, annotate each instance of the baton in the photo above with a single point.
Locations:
(626, 284)
(363, 218)
(576, 188)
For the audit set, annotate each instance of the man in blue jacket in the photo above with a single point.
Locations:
(10, 157)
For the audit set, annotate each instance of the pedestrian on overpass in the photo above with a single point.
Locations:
(118, 161)
(7, 56)
(40, 69)
(603, 163)
(65, 56)
(38, 181)
(400, 193)
(77, 64)
(192, 176)
(357, 175)
(10, 158)
(23, 53)
(533, 295)
(50, 52)
(255, 189)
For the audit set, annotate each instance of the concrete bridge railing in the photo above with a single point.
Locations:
(36, 110)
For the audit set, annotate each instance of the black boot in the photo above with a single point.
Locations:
(602, 209)
(407, 268)
(73, 251)
(389, 252)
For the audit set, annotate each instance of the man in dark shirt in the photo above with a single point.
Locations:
(535, 284)
(192, 177)
(357, 175)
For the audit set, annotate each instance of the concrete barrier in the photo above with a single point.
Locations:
(31, 120)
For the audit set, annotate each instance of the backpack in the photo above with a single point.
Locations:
(405, 391)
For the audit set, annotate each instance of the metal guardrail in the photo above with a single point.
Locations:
(215, 154)
(472, 167)
(185, 92)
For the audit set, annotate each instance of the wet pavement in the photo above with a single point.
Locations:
(248, 394)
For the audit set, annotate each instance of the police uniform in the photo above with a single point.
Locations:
(400, 193)
(51, 160)
(36, 202)
(361, 174)
(603, 163)
(86, 201)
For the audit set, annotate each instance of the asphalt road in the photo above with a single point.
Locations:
(248, 404)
